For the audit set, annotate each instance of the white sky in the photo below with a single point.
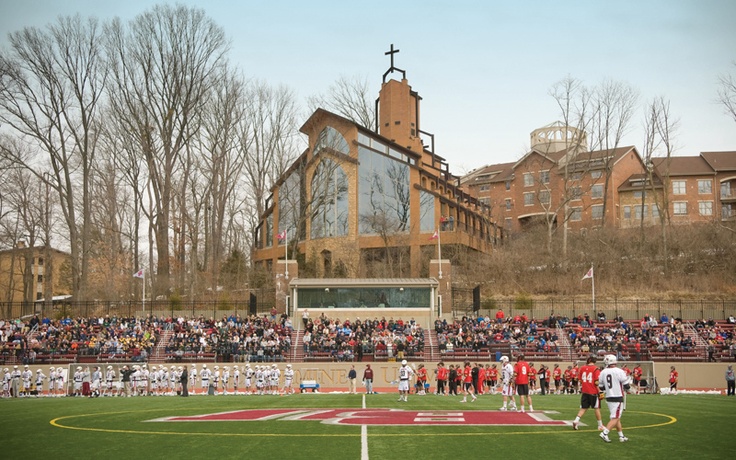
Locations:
(483, 68)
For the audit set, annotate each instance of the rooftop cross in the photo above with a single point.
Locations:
(392, 52)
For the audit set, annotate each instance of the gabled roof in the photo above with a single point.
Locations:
(720, 161)
(633, 183)
(682, 166)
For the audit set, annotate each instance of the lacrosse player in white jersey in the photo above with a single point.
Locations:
(40, 377)
(508, 390)
(193, 379)
(614, 382)
(236, 379)
(216, 376)
(27, 376)
(275, 379)
(288, 380)
(173, 379)
(225, 379)
(109, 382)
(78, 377)
(96, 382)
(60, 381)
(204, 376)
(405, 375)
(52, 381)
(249, 375)
(260, 380)
(6, 382)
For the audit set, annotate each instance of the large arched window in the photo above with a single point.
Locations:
(330, 138)
(329, 202)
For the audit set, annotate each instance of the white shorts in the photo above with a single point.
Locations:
(616, 409)
(95, 385)
(403, 385)
(508, 390)
(287, 382)
(247, 383)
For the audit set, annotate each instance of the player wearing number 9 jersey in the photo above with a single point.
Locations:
(521, 377)
(589, 375)
(613, 381)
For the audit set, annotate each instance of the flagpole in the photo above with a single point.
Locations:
(439, 250)
(286, 253)
(592, 284)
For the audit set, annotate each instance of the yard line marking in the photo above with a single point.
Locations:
(364, 439)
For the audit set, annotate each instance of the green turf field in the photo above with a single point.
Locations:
(659, 427)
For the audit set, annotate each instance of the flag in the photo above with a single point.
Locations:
(138, 274)
(434, 236)
(282, 235)
(589, 274)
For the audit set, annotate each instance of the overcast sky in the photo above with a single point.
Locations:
(483, 68)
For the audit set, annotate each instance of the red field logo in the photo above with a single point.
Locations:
(395, 417)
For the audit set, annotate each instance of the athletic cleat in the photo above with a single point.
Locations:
(623, 438)
(604, 437)
(575, 426)
(503, 409)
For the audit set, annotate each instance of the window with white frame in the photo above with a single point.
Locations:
(528, 179)
(596, 191)
(508, 204)
(484, 187)
(655, 211)
(627, 212)
(596, 174)
(705, 186)
(576, 214)
(576, 192)
(528, 199)
(679, 187)
(639, 213)
(705, 208)
(544, 177)
(679, 208)
(596, 211)
(544, 196)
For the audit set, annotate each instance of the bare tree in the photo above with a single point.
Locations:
(268, 138)
(50, 98)
(727, 94)
(349, 97)
(161, 65)
(615, 103)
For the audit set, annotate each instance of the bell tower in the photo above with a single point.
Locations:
(398, 109)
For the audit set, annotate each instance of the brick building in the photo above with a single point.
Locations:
(365, 203)
(700, 188)
(24, 273)
(557, 179)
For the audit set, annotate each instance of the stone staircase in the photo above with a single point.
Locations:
(159, 352)
(431, 345)
(297, 345)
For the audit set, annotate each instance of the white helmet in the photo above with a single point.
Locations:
(51, 368)
(403, 362)
(273, 365)
(38, 371)
(204, 366)
(610, 359)
(109, 367)
(504, 359)
(79, 368)
(153, 368)
(180, 368)
(289, 366)
(247, 365)
(217, 367)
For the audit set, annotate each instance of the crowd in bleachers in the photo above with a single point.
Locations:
(349, 340)
(255, 338)
(38, 339)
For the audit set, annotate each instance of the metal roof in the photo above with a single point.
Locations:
(362, 282)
